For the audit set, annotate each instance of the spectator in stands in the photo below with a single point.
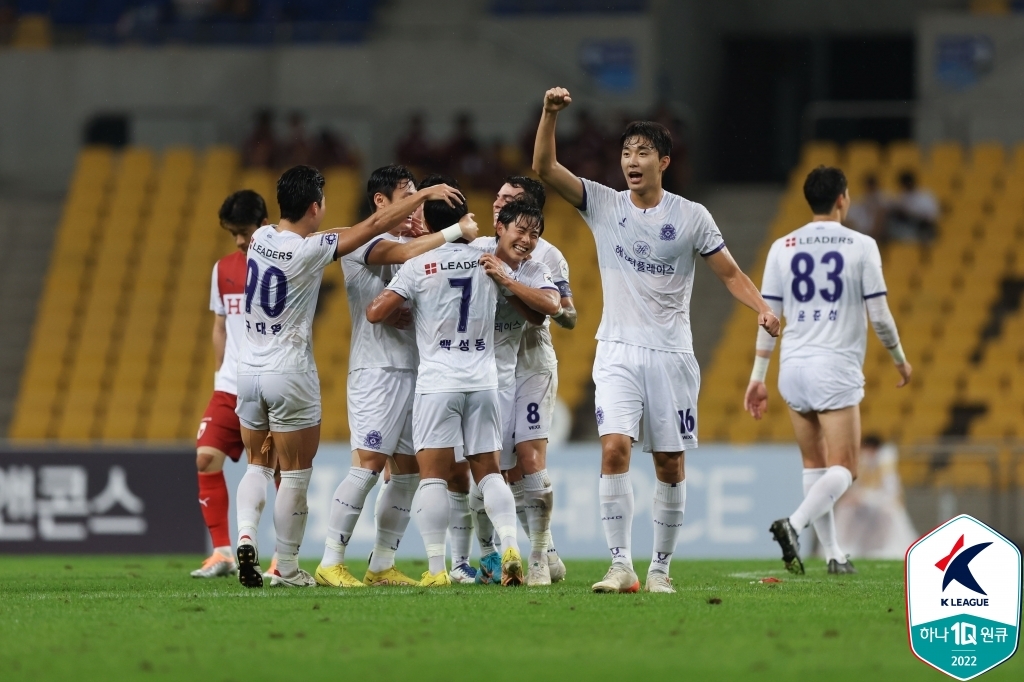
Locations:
(330, 150)
(914, 212)
(461, 155)
(296, 150)
(867, 214)
(413, 149)
(260, 148)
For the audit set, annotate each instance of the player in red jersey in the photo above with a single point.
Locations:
(219, 433)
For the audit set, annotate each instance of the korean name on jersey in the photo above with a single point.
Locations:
(822, 273)
(647, 259)
(281, 288)
(453, 303)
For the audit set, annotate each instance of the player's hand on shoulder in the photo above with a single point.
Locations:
(445, 193)
(755, 401)
(556, 99)
(494, 268)
(905, 371)
(400, 319)
(770, 323)
(470, 230)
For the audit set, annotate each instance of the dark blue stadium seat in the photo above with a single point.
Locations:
(566, 6)
(70, 12)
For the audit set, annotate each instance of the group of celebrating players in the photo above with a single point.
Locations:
(452, 373)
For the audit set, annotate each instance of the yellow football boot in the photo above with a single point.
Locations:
(389, 577)
(441, 579)
(511, 568)
(336, 576)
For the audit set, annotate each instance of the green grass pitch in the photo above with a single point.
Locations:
(143, 618)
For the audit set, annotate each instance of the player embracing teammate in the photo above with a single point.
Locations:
(648, 241)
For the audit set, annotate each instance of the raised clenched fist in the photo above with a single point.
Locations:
(556, 99)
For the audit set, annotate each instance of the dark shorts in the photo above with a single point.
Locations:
(219, 427)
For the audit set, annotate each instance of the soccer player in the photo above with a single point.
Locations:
(451, 292)
(381, 384)
(278, 387)
(219, 434)
(648, 241)
(536, 389)
(821, 277)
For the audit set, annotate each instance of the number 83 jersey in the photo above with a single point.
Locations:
(282, 283)
(822, 273)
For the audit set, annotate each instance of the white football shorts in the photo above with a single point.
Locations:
(380, 409)
(661, 386)
(279, 402)
(820, 388)
(448, 420)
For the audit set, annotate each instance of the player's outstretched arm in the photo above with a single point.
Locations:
(742, 289)
(394, 253)
(388, 218)
(544, 162)
(382, 308)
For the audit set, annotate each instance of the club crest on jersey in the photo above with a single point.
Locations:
(790, 241)
(430, 268)
(599, 415)
(668, 233)
(963, 598)
(372, 440)
(642, 249)
(330, 238)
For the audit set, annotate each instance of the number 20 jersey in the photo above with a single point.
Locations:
(282, 283)
(822, 273)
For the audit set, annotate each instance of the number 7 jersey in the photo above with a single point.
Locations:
(822, 273)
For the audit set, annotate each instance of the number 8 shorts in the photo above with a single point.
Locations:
(526, 410)
(278, 402)
(661, 386)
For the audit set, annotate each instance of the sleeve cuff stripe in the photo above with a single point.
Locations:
(714, 250)
(366, 254)
(770, 297)
(880, 293)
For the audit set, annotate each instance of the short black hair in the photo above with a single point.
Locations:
(297, 188)
(532, 188)
(655, 133)
(822, 187)
(522, 208)
(438, 214)
(242, 209)
(386, 180)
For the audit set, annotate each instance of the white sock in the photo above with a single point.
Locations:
(250, 498)
(394, 504)
(519, 495)
(669, 506)
(501, 508)
(346, 506)
(552, 552)
(616, 493)
(460, 527)
(821, 496)
(290, 514)
(538, 499)
(484, 527)
(432, 519)
(824, 527)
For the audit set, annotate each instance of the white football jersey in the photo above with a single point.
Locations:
(509, 324)
(374, 345)
(822, 274)
(536, 352)
(453, 303)
(281, 288)
(647, 258)
(227, 298)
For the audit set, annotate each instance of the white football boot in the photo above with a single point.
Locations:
(300, 579)
(660, 583)
(556, 567)
(539, 573)
(463, 574)
(215, 566)
(619, 578)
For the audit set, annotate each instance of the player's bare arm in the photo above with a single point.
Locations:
(384, 306)
(743, 290)
(396, 253)
(567, 318)
(386, 219)
(755, 400)
(543, 301)
(220, 339)
(545, 163)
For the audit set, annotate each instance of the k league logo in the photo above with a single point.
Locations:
(963, 598)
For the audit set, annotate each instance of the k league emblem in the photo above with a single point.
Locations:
(963, 598)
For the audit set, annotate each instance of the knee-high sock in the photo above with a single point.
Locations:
(460, 527)
(519, 495)
(825, 526)
(250, 498)
(484, 527)
(616, 493)
(290, 514)
(346, 506)
(213, 501)
(538, 498)
(394, 504)
(669, 506)
(501, 508)
(432, 511)
(821, 496)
